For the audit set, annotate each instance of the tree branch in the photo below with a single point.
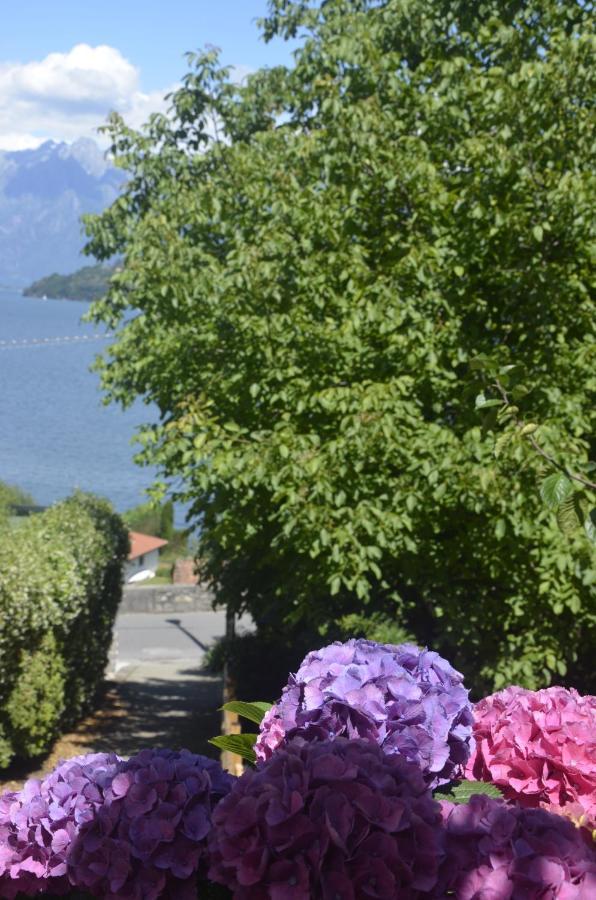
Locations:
(520, 425)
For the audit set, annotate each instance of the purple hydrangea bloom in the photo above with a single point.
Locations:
(406, 700)
(327, 819)
(495, 850)
(39, 823)
(148, 839)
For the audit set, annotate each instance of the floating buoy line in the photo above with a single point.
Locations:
(20, 344)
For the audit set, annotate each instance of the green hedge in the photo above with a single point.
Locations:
(60, 585)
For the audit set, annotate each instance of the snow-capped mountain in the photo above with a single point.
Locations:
(43, 193)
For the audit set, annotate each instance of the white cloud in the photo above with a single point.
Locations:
(19, 141)
(69, 95)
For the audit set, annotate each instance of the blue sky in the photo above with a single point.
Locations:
(64, 64)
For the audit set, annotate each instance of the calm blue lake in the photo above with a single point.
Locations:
(55, 434)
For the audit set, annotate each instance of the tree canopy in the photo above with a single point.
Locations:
(314, 257)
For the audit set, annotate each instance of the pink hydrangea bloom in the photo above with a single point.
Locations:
(539, 746)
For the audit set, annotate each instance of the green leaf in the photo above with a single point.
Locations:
(590, 525)
(530, 428)
(240, 744)
(483, 403)
(461, 791)
(538, 232)
(555, 488)
(519, 391)
(254, 711)
(570, 514)
(502, 442)
(479, 363)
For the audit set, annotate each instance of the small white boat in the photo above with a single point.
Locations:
(143, 575)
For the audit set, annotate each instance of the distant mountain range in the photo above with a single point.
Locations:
(43, 194)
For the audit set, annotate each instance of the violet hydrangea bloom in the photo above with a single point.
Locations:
(327, 819)
(406, 700)
(39, 823)
(495, 850)
(540, 747)
(148, 839)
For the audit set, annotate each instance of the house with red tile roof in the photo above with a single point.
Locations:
(143, 558)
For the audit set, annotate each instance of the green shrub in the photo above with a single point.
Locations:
(60, 585)
(37, 702)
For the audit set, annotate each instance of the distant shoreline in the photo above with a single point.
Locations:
(86, 284)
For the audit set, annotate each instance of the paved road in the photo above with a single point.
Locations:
(158, 681)
(166, 637)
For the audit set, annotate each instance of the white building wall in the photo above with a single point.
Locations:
(147, 561)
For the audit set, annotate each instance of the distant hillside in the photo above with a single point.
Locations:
(43, 194)
(88, 283)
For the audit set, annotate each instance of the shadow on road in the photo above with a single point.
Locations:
(189, 634)
(161, 712)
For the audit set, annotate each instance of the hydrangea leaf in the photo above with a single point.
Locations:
(240, 744)
(254, 711)
(461, 791)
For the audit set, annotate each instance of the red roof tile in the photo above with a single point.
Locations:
(143, 543)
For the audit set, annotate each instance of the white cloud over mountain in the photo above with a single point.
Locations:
(68, 95)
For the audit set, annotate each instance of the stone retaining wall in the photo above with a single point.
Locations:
(165, 598)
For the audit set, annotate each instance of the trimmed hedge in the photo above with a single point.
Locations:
(60, 586)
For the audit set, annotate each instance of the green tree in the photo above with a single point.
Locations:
(146, 518)
(157, 519)
(11, 496)
(314, 258)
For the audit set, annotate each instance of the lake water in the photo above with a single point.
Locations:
(55, 434)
